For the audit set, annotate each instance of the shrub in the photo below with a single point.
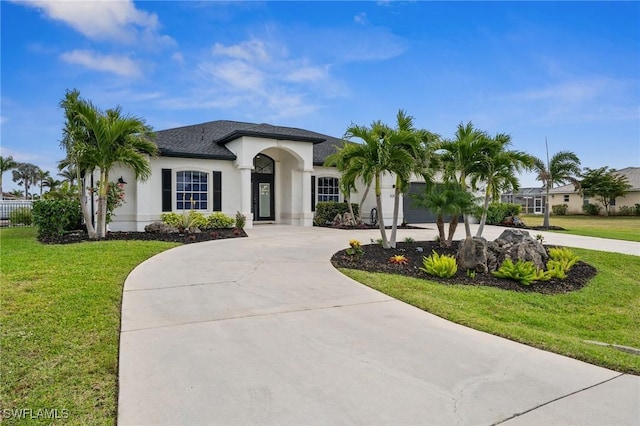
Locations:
(55, 217)
(21, 216)
(241, 220)
(559, 209)
(521, 271)
(440, 266)
(629, 211)
(172, 219)
(219, 220)
(196, 220)
(636, 207)
(498, 212)
(327, 210)
(591, 209)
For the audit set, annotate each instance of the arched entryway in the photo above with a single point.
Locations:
(263, 188)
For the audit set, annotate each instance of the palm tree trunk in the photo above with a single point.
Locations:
(467, 228)
(452, 229)
(383, 232)
(83, 205)
(102, 204)
(440, 225)
(546, 207)
(353, 218)
(485, 209)
(396, 207)
(364, 197)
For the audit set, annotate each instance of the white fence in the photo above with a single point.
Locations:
(7, 206)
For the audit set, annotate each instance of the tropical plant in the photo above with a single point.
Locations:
(446, 199)
(521, 271)
(68, 172)
(499, 173)
(561, 169)
(561, 258)
(443, 266)
(101, 140)
(465, 156)
(6, 164)
(241, 221)
(399, 259)
(604, 185)
(41, 177)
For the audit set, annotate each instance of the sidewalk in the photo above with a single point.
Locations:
(263, 330)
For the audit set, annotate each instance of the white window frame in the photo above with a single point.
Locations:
(333, 191)
(178, 189)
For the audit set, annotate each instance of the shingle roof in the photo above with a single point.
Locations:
(207, 140)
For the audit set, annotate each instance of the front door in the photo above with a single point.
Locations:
(262, 188)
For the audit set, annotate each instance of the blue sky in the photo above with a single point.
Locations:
(567, 71)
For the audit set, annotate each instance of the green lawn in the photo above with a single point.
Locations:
(60, 323)
(606, 310)
(616, 227)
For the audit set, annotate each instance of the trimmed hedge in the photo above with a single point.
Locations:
(219, 220)
(55, 217)
(327, 210)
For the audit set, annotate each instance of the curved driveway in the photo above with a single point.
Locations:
(263, 330)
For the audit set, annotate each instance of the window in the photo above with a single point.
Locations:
(585, 200)
(327, 189)
(612, 202)
(566, 198)
(192, 190)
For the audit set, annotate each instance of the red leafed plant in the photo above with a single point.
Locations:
(398, 259)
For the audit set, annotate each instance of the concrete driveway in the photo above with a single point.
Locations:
(263, 330)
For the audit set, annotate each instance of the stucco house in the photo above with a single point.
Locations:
(568, 195)
(269, 173)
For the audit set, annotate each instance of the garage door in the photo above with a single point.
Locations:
(413, 213)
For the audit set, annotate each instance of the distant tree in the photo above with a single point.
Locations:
(41, 175)
(52, 183)
(562, 169)
(604, 185)
(6, 164)
(17, 193)
(25, 174)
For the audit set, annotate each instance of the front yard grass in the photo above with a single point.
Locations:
(60, 326)
(606, 310)
(616, 227)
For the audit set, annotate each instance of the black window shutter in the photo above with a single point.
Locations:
(313, 193)
(166, 190)
(217, 191)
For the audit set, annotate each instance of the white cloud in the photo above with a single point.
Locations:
(308, 74)
(120, 65)
(251, 51)
(360, 18)
(177, 57)
(104, 19)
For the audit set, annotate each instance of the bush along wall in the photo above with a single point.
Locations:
(498, 212)
(327, 210)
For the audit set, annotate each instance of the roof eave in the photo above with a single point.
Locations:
(167, 153)
(278, 136)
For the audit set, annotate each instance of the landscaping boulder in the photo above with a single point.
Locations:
(160, 228)
(517, 244)
(473, 254)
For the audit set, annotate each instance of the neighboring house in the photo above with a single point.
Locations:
(532, 200)
(568, 195)
(268, 173)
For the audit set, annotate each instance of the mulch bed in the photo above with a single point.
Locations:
(78, 237)
(376, 259)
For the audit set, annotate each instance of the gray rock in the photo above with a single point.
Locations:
(160, 228)
(516, 244)
(473, 254)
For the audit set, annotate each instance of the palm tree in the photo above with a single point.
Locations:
(367, 161)
(25, 174)
(67, 172)
(6, 164)
(52, 183)
(114, 139)
(500, 172)
(447, 198)
(562, 169)
(465, 156)
(41, 176)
